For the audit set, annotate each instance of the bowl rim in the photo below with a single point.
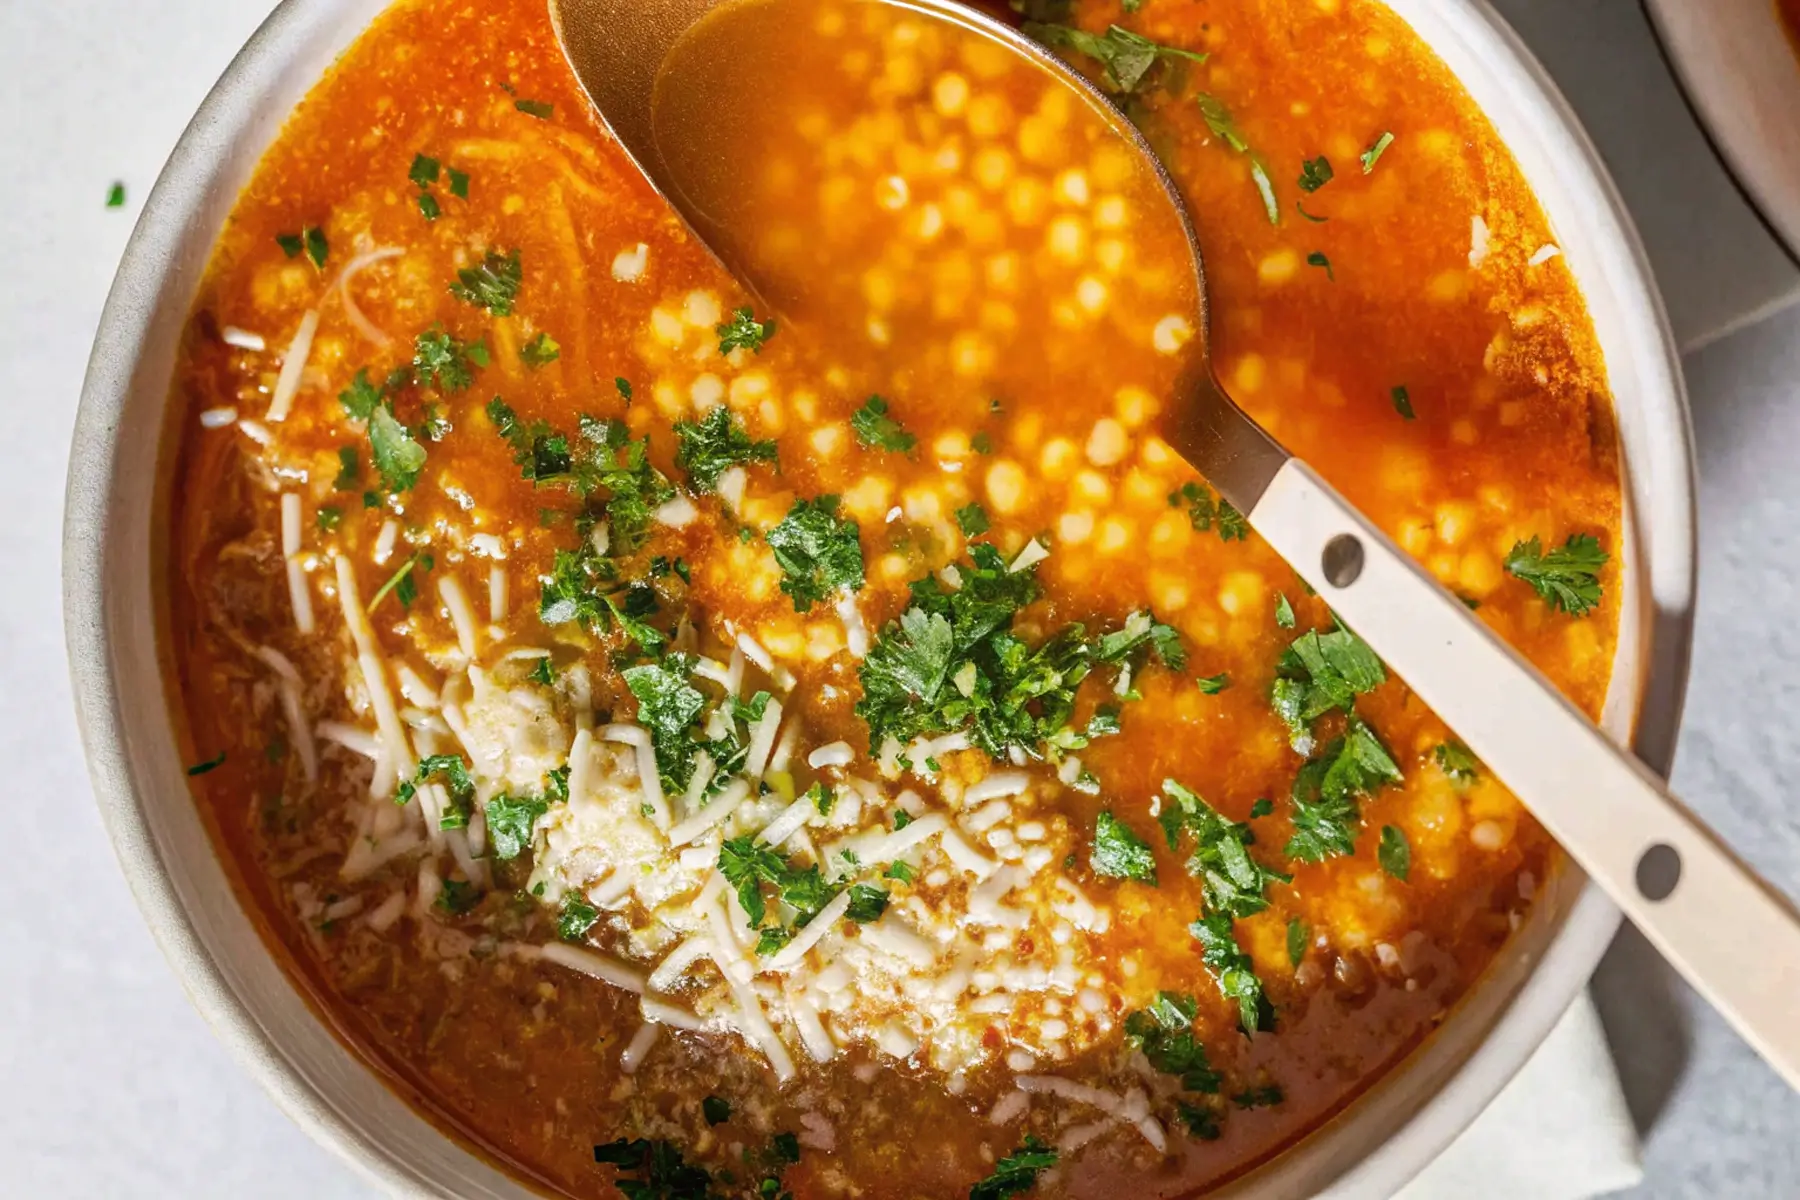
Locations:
(1562, 969)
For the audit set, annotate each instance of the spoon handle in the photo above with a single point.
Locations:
(1735, 938)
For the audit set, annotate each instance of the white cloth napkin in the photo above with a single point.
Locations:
(1560, 1130)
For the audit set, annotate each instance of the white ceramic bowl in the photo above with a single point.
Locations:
(114, 543)
(1741, 72)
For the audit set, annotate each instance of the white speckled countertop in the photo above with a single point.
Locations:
(113, 1085)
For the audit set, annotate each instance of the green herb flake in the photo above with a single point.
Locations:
(818, 551)
(317, 249)
(1234, 971)
(1395, 852)
(328, 518)
(716, 1110)
(866, 903)
(623, 385)
(535, 108)
(1284, 611)
(458, 896)
(1315, 173)
(1232, 882)
(709, 447)
(210, 765)
(1205, 513)
(1297, 936)
(1456, 761)
(1218, 119)
(510, 822)
(1403, 403)
(292, 244)
(442, 362)
(459, 183)
(1262, 808)
(1373, 154)
(1017, 1173)
(1300, 208)
(424, 170)
(1266, 1096)
(1325, 796)
(576, 917)
(744, 332)
(1212, 685)
(396, 454)
(1164, 1034)
(1567, 577)
(1125, 58)
(878, 431)
(115, 197)
(972, 519)
(428, 206)
(540, 351)
(1316, 259)
(1119, 853)
(493, 284)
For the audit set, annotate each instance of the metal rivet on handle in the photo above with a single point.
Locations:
(1658, 871)
(1343, 560)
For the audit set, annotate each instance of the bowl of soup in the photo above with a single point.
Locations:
(573, 728)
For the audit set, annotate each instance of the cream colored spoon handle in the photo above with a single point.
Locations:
(1734, 937)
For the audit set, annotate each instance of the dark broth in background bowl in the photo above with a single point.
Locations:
(466, 562)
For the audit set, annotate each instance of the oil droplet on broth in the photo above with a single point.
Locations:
(917, 198)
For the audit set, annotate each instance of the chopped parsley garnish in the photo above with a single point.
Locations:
(819, 552)
(115, 196)
(660, 1170)
(878, 431)
(540, 351)
(328, 518)
(510, 821)
(1212, 685)
(1205, 513)
(1125, 58)
(396, 454)
(360, 399)
(667, 705)
(1266, 1096)
(902, 819)
(1284, 611)
(1017, 1173)
(458, 896)
(576, 918)
(424, 170)
(1296, 941)
(1455, 760)
(1403, 402)
(459, 182)
(542, 454)
(1567, 577)
(1234, 883)
(291, 244)
(493, 285)
(1373, 154)
(401, 582)
(1218, 119)
(1262, 808)
(951, 663)
(541, 109)
(1321, 672)
(716, 1110)
(349, 470)
(1315, 173)
(1395, 852)
(900, 871)
(1316, 259)
(1164, 1034)
(1234, 971)
(1326, 814)
(441, 361)
(866, 903)
(317, 249)
(713, 445)
(623, 386)
(1141, 629)
(211, 764)
(972, 519)
(1119, 853)
(544, 672)
(744, 332)
(429, 208)
(1200, 1121)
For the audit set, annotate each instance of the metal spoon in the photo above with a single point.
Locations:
(1735, 938)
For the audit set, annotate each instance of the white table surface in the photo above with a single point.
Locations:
(112, 1085)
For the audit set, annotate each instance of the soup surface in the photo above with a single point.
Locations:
(838, 748)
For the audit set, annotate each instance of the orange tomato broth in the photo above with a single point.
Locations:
(1511, 438)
